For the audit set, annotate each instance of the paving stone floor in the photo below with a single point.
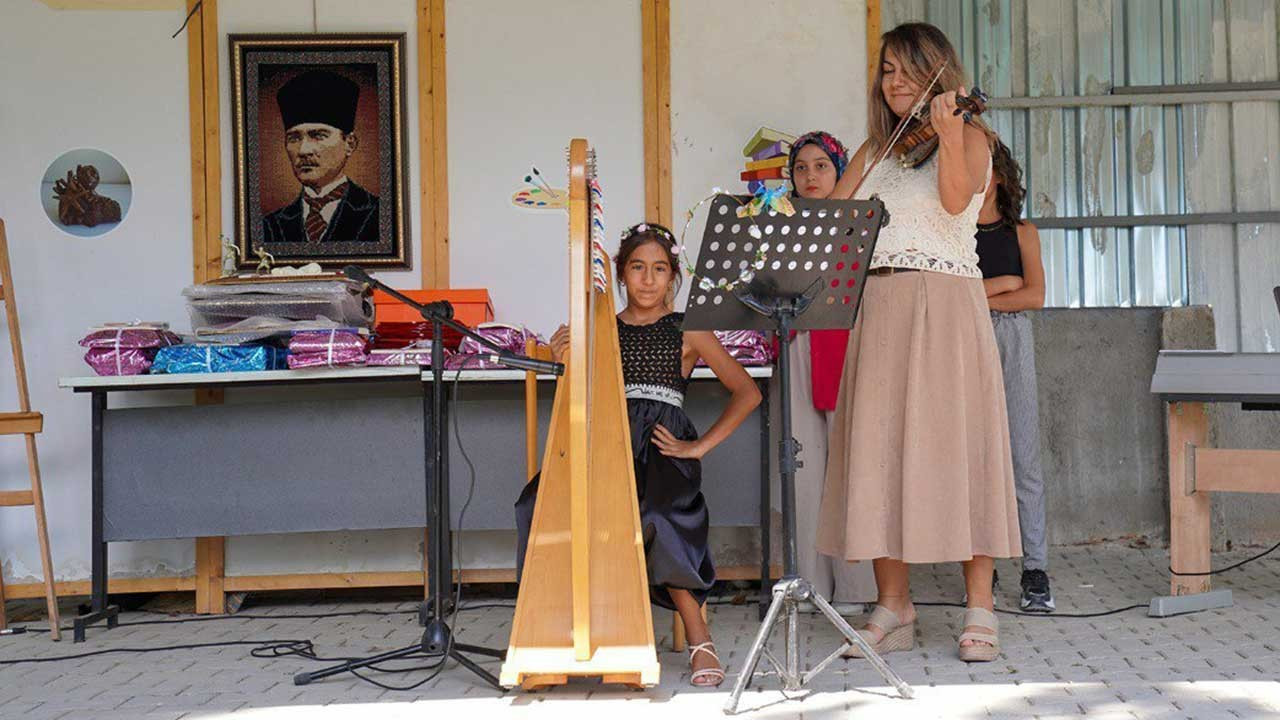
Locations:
(1217, 664)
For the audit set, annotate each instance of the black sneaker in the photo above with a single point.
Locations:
(1036, 596)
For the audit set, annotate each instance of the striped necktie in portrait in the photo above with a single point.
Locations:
(315, 224)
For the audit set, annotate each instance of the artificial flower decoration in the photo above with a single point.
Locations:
(768, 198)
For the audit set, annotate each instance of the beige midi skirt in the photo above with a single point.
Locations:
(918, 465)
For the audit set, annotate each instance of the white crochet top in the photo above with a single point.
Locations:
(921, 234)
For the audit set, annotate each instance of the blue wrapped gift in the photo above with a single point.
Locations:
(218, 358)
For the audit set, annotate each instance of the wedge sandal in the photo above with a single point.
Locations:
(988, 632)
(894, 636)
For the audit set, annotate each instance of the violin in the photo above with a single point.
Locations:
(919, 139)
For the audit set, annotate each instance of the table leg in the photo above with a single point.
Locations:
(99, 609)
(766, 511)
(211, 567)
(1189, 536)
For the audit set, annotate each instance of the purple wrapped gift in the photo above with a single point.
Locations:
(325, 341)
(472, 361)
(334, 358)
(508, 337)
(412, 355)
(119, 361)
(129, 337)
(748, 347)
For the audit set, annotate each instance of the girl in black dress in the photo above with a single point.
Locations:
(657, 359)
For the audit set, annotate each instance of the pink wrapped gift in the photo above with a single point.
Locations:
(129, 337)
(326, 359)
(120, 361)
(508, 337)
(412, 355)
(748, 347)
(324, 341)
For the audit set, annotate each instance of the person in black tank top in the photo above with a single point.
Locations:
(1009, 257)
(657, 359)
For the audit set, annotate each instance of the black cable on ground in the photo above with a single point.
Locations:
(1259, 556)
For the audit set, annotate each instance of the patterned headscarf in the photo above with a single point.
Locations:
(828, 143)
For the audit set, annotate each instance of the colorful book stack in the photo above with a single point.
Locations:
(767, 151)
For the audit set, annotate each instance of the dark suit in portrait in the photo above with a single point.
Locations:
(355, 220)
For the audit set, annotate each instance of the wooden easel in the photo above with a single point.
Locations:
(583, 608)
(28, 423)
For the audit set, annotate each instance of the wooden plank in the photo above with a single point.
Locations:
(1188, 428)
(211, 565)
(873, 39)
(21, 423)
(212, 267)
(195, 113)
(113, 4)
(78, 588)
(1250, 471)
(655, 31)
(15, 498)
(433, 148)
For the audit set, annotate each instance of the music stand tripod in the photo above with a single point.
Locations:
(437, 640)
(814, 266)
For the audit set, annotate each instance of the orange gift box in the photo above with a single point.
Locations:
(470, 306)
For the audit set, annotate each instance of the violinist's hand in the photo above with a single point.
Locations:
(943, 117)
(560, 343)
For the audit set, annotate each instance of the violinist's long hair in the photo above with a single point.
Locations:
(921, 48)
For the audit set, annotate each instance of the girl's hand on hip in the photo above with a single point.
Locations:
(671, 446)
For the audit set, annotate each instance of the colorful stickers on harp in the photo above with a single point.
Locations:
(599, 258)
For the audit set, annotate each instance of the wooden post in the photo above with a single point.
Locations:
(1188, 510)
(873, 38)
(655, 30)
(433, 149)
(211, 565)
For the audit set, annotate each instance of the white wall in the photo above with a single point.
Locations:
(114, 81)
(523, 78)
(740, 64)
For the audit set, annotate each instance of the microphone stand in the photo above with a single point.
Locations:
(437, 640)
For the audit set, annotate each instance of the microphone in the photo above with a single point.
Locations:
(440, 308)
(545, 367)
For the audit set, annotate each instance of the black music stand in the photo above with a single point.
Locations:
(810, 278)
(437, 640)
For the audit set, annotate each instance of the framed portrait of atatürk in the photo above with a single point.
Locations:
(320, 149)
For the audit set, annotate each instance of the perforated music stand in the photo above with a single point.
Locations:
(810, 277)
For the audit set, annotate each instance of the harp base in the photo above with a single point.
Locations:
(788, 593)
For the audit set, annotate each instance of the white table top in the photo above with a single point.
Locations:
(313, 375)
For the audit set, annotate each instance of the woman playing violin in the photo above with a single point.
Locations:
(919, 467)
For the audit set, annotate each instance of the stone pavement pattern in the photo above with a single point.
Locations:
(1217, 664)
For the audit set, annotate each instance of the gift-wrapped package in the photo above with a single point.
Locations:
(119, 361)
(748, 347)
(230, 300)
(218, 359)
(327, 359)
(125, 349)
(395, 335)
(473, 355)
(414, 355)
(325, 341)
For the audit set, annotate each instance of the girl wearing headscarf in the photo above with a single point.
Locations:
(816, 162)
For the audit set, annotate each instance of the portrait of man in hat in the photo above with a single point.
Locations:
(319, 149)
(318, 110)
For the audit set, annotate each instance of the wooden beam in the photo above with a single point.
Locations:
(75, 588)
(1188, 428)
(113, 4)
(1252, 471)
(21, 423)
(16, 498)
(655, 30)
(433, 146)
(211, 566)
(206, 165)
(873, 38)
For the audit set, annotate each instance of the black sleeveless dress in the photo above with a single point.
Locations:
(673, 512)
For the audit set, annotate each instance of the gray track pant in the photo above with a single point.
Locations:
(1018, 358)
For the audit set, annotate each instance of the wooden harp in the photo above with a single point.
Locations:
(583, 605)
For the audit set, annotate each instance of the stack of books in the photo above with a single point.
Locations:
(766, 154)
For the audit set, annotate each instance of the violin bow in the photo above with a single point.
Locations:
(916, 109)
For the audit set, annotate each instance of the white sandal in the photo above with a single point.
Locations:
(989, 633)
(894, 634)
(717, 673)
